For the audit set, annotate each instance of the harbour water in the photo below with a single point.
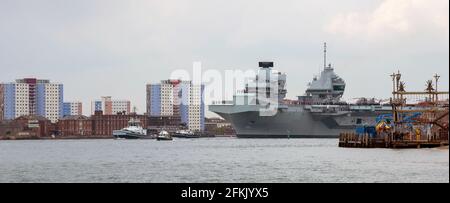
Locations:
(215, 160)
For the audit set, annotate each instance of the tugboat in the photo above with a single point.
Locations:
(133, 131)
(185, 134)
(164, 136)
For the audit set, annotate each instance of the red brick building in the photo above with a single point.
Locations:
(104, 125)
(26, 127)
(40, 126)
(10, 129)
(79, 126)
(98, 125)
(168, 123)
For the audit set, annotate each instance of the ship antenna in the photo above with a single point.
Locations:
(325, 55)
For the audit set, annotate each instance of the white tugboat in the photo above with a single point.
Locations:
(133, 131)
(164, 136)
(185, 134)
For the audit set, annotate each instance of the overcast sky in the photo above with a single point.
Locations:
(114, 47)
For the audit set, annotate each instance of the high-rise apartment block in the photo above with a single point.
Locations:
(111, 107)
(30, 96)
(72, 109)
(178, 98)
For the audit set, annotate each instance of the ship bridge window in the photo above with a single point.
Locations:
(358, 121)
(338, 88)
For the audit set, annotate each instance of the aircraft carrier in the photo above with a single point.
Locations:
(261, 110)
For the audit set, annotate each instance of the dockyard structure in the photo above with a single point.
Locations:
(31, 96)
(177, 98)
(418, 119)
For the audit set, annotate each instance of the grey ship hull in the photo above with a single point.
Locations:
(124, 134)
(293, 122)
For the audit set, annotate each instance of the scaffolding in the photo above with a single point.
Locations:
(419, 115)
(418, 119)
